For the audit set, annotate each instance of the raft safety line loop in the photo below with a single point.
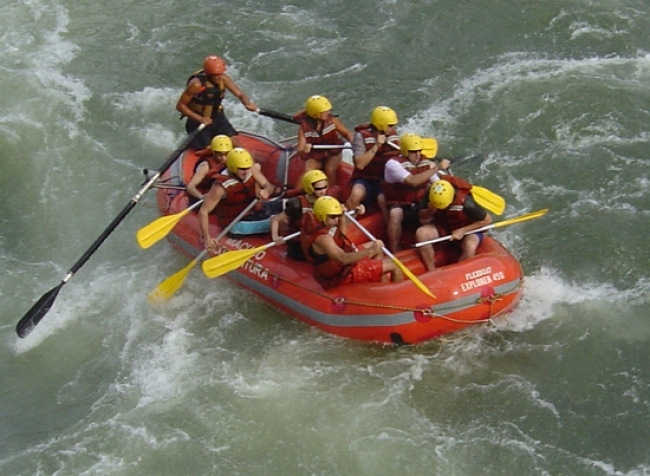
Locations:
(339, 301)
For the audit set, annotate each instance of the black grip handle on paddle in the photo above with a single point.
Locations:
(278, 115)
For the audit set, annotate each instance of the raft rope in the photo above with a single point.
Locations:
(341, 301)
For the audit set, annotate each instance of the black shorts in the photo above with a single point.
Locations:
(220, 125)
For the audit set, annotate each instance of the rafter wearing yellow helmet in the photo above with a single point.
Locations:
(454, 212)
(318, 127)
(370, 153)
(336, 260)
(406, 182)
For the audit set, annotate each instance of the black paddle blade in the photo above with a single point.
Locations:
(37, 312)
(456, 161)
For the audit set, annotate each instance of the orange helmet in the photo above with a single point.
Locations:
(214, 65)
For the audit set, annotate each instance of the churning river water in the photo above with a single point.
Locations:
(554, 95)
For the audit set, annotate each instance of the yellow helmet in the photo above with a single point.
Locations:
(238, 158)
(326, 206)
(382, 117)
(409, 142)
(310, 178)
(221, 143)
(316, 105)
(441, 194)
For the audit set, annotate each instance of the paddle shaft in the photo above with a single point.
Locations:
(511, 221)
(330, 146)
(407, 272)
(449, 237)
(43, 305)
(278, 115)
(369, 235)
(238, 218)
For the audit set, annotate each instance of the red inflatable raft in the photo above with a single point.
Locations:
(467, 293)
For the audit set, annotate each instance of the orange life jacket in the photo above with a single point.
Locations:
(374, 171)
(402, 194)
(327, 135)
(328, 272)
(238, 195)
(453, 216)
(214, 173)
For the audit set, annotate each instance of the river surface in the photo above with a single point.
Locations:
(554, 95)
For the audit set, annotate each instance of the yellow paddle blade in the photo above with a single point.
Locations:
(528, 216)
(228, 261)
(407, 272)
(155, 231)
(489, 200)
(169, 286)
(430, 147)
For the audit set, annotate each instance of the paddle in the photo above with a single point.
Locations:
(224, 263)
(278, 115)
(43, 305)
(511, 221)
(166, 289)
(428, 151)
(155, 231)
(399, 264)
(489, 200)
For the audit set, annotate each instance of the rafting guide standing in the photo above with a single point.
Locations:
(202, 98)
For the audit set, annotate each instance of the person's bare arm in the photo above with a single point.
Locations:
(325, 244)
(341, 129)
(197, 178)
(458, 233)
(362, 160)
(303, 146)
(265, 187)
(418, 179)
(276, 221)
(210, 202)
(238, 93)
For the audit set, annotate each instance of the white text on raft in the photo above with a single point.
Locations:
(481, 277)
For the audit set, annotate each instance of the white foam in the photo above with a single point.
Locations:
(516, 70)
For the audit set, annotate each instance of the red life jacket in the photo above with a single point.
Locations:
(374, 171)
(207, 102)
(328, 273)
(400, 193)
(453, 217)
(327, 135)
(238, 195)
(214, 173)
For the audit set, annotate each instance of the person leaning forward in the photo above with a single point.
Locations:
(451, 211)
(371, 152)
(232, 193)
(336, 259)
(201, 102)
